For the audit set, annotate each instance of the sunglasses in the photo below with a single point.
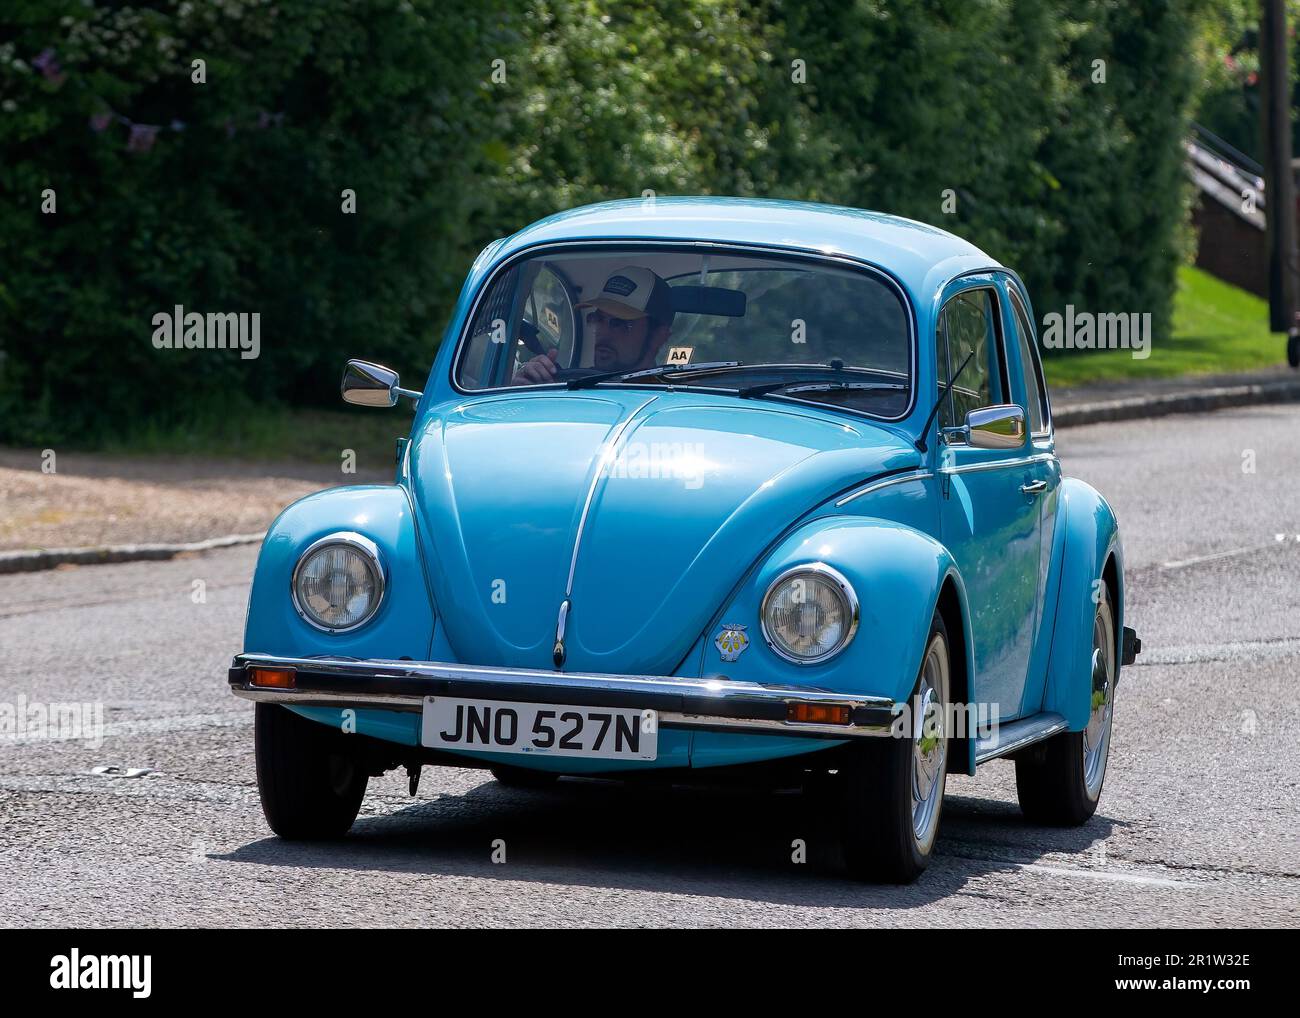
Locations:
(623, 325)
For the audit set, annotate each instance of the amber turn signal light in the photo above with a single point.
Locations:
(273, 678)
(818, 714)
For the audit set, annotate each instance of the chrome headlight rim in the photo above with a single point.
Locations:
(822, 571)
(369, 550)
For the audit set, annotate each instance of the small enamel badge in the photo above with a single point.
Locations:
(731, 642)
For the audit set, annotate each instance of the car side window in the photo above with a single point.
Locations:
(1035, 390)
(968, 325)
(483, 362)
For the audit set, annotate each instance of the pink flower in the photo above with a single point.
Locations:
(48, 66)
(141, 138)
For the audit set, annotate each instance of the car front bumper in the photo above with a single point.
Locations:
(715, 704)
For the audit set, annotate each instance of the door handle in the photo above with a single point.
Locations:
(1034, 488)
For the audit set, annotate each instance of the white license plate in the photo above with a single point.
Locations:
(539, 729)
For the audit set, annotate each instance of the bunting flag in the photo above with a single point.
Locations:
(140, 138)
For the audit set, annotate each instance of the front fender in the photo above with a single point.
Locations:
(897, 573)
(403, 625)
(1087, 536)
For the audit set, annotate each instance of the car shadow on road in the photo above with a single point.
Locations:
(715, 842)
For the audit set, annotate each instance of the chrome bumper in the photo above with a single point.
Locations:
(715, 704)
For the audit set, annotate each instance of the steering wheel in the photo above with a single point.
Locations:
(529, 335)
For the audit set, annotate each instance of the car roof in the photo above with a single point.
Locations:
(921, 256)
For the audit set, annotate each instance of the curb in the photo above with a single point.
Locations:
(1217, 398)
(48, 558)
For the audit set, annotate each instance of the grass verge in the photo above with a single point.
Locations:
(279, 433)
(1217, 329)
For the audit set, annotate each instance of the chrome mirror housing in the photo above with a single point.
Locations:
(991, 427)
(367, 384)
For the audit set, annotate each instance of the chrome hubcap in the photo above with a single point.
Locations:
(1096, 737)
(929, 747)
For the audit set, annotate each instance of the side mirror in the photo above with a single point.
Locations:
(992, 427)
(367, 384)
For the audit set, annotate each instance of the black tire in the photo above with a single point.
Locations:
(1293, 351)
(877, 832)
(310, 782)
(1051, 777)
(522, 777)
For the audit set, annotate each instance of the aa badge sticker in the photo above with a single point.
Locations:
(731, 642)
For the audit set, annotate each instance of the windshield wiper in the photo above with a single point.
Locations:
(794, 386)
(663, 369)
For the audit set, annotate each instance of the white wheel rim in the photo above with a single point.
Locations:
(1096, 737)
(929, 744)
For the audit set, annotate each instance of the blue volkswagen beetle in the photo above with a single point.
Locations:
(699, 484)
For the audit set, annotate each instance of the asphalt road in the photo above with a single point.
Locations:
(1199, 823)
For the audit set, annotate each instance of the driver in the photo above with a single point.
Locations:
(628, 323)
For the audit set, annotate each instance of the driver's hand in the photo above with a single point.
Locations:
(540, 369)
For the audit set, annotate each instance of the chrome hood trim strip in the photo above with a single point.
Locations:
(920, 475)
(607, 456)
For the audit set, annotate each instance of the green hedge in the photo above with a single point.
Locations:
(457, 121)
(239, 211)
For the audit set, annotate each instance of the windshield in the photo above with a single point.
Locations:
(751, 323)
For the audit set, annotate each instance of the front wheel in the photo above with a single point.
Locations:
(1059, 781)
(308, 776)
(893, 787)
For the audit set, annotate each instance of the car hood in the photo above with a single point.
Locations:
(667, 497)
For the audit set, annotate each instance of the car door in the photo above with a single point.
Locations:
(1044, 469)
(989, 512)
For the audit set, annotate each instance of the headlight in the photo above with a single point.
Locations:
(338, 582)
(809, 614)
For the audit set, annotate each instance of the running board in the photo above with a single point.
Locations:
(1016, 735)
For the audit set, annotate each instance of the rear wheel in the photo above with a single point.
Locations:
(893, 787)
(308, 775)
(1059, 781)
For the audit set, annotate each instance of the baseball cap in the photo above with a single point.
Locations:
(634, 292)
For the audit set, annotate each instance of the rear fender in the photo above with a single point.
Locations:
(1087, 540)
